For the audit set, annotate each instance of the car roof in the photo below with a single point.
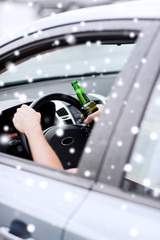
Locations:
(141, 9)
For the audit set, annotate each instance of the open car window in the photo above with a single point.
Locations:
(94, 64)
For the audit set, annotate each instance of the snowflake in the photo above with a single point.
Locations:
(59, 5)
(16, 53)
(59, 132)
(88, 150)
(114, 95)
(87, 173)
(124, 207)
(29, 181)
(92, 68)
(31, 228)
(30, 4)
(153, 136)
(107, 60)
(72, 150)
(84, 84)
(6, 128)
(22, 97)
(133, 232)
(4, 139)
(134, 130)
(119, 143)
(82, 24)
(11, 67)
(146, 182)
(68, 67)
(43, 184)
(70, 39)
(39, 71)
(132, 34)
(143, 60)
(127, 167)
(138, 158)
(136, 85)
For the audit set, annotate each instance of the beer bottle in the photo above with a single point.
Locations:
(87, 107)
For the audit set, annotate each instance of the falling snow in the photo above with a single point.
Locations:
(31, 228)
(143, 60)
(59, 132)
(119, 143)
(43, 184)
(87, 173)
(88, 150)
(132, 34)
(16, 53)
(134, 130)
(136, 85)
(138, 158)
(11, 67)
(4, 139)
(6, 128)
(133, 232)
(29, 181)
(72, 150)
(127, 167)
(146, 182)
(153, 136)
(70, 39)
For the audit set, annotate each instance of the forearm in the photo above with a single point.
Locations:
(41, 151)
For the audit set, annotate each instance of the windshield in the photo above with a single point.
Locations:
(77, 60)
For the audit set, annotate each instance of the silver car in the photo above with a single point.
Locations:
(113, 52)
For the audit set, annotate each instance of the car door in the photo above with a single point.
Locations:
(41, 199)
(121, 206)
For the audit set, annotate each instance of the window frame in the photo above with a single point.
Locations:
(139, 51)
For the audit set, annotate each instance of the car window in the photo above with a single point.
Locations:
(142, 172)
(95, 65)
(89, 58)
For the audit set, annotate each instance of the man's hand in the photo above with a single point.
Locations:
(26, 119)
(91, 117)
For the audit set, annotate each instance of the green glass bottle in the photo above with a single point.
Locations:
(87, 107)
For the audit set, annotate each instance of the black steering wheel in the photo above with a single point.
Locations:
(68, 145)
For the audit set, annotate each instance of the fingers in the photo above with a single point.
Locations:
(91, 117)
(26, 118)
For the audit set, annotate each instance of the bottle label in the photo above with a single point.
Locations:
(89, 108)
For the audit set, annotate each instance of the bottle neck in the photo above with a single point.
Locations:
(83, 99)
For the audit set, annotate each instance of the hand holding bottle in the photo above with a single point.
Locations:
(87, 106)
(91, 117)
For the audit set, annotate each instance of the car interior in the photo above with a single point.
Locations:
(44, 78)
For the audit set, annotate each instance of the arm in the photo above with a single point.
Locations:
(27, 121)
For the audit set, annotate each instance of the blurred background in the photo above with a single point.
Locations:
(15, 14)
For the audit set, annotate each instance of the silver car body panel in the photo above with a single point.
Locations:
(105, 220)
(34, 196)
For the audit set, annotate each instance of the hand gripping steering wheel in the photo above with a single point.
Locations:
(69, 145)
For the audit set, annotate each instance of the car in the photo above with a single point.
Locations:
(113, 53)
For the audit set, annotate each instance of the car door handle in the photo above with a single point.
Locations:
(6, 235)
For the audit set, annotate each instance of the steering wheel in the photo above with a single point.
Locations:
(68, 145)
